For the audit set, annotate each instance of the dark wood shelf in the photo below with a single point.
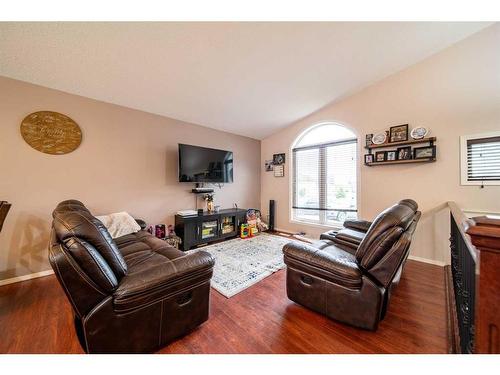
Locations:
(402, 143)
(423, 160)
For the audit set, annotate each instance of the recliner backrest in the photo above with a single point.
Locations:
(89, 243)
(385, 237)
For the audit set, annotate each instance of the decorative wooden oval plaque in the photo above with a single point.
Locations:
(51, 132)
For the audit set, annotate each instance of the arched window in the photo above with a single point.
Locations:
(324, 175)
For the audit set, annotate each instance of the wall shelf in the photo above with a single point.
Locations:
(430, 140)
(408, 161)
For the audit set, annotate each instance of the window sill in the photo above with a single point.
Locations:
(317, 225)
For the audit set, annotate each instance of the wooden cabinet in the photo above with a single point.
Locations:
(209, 227)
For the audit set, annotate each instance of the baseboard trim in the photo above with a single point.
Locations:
(429, 261)
(26, 277)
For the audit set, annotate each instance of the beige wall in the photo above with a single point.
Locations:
(455, 92)
(127, 161)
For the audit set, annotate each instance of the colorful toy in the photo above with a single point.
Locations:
(245, 231)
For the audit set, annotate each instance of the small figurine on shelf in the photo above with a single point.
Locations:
(209, 198)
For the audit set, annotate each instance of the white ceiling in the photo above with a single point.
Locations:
(245, 78)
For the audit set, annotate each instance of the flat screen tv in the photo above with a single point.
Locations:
(202, 164)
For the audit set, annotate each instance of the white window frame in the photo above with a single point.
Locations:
(319, 224)
(463, 159)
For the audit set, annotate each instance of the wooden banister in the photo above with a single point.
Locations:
(485, 237)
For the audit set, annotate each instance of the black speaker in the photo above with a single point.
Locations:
(271, 214)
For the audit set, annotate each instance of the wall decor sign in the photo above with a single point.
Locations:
(268, 165)
(278, 159)
(279, 170)
(51, 132)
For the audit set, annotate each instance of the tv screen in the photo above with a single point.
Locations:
(201, 164)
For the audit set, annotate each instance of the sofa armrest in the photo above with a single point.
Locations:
(361, 225)
(141, 223)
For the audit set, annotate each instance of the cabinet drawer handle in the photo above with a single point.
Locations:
(184, 298)
(308, 280)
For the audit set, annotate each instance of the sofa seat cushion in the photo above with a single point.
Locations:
(326, 260)
(156, 275)
(131, 238)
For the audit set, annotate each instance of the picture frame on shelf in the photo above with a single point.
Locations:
(369, 141)
(368, 158)
(428, 152)
(398, 133)
(404, 153)
(391, 155)
(380, 156)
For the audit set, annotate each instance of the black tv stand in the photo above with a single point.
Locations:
(209, 227)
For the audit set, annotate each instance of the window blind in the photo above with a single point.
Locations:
(483, 159)
(324, 182)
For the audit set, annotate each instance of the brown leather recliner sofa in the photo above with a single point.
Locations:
(348, 275)
(129, 295)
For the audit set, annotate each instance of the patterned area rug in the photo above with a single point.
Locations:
(241, 263)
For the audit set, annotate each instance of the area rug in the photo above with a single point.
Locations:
(240, 263)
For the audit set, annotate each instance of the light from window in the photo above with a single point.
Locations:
(481, 159)
(324, 175)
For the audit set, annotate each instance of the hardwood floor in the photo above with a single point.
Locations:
(35, 317)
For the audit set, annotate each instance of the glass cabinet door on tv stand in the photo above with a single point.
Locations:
(228, 225)
(209, 229)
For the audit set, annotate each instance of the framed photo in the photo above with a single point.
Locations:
(268, 165)
(369, 141)
(391, 155)
(398, 133)
(278, 159)
(424, 152)
(404, 153)
(279, 170)
(380, 156)
(368, 158)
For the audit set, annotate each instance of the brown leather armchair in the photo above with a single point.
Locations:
(129, 295)
(349, 276)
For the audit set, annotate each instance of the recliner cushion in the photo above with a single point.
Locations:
(349, 235)
(384, 231)
(155, 275)
(326, 260)
(72, 219)
(92, 263)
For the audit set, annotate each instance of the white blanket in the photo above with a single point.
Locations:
(119, 224)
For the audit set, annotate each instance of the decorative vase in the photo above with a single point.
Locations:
(210, 206)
